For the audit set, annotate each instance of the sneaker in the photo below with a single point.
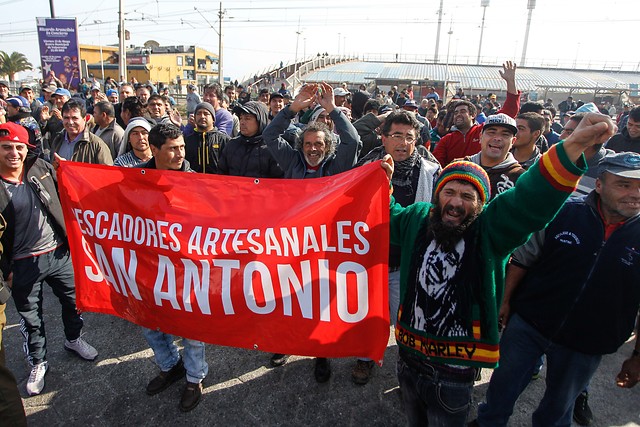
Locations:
(362, 371)
(164, 379)
(190, 396)
(35, 384)
(582, 414)
(81, 348)
(278, 359)
(322, 370)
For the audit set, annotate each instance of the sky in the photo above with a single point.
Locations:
(258, 34)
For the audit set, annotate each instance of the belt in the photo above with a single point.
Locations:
(436, 371)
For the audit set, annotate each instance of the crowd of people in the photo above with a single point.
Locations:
(489, 265)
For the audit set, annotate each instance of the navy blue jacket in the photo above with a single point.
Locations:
(582, 292)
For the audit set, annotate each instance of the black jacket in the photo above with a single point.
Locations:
(40, 177)
(202, 150)
(250, 156)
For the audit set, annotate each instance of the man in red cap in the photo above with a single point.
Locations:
(36, 250)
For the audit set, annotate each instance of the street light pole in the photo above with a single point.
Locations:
(98, 22)
(122, 51)
(484, 4)
(220, 49)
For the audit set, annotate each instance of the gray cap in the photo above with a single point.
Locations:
(501, 120)
(626, 165)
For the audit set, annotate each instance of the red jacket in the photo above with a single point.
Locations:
(456, 145)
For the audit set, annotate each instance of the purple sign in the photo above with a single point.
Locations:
(59, 53)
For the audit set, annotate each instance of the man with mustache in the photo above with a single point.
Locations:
(554, 286)
(454, 253)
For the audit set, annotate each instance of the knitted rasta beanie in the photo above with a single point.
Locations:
(468, 172)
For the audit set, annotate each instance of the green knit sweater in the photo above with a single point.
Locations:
(505, 224)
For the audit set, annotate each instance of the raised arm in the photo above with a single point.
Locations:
(512, 104)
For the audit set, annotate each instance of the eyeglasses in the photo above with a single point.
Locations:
(398, 137)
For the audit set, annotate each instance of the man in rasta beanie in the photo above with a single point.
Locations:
(454, 253)
(204, 145)
(247, 154)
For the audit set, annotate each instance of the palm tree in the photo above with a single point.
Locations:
(12, 64)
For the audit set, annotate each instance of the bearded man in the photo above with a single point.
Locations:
(454, 254)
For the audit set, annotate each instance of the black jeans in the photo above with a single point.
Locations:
(29, 274)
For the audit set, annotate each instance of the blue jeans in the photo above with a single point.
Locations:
(394, 295)
(167, 356)
(568, 373)
(431, 399)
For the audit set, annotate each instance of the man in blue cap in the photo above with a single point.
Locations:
(566, 304)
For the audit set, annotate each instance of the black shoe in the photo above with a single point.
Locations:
(165, 379)
(581, 412)
(190, 396)
(362, 371)
(278, 359)
(322, 370)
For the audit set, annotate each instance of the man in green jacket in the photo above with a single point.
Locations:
(454, 253)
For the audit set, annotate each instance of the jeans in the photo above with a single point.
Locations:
(394, 295)
(434, 399)
(29, 274)
(167, 356)
(568, 373)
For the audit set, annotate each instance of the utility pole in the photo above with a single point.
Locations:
(295, 67)
(531, 4)
(446, 75)
(220, 48)
(484, 4)
(122, 54)
(435, 58)
(53, 12)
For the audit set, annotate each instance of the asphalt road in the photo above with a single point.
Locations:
(241, 389)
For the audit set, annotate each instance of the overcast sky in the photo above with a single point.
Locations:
(261, 33)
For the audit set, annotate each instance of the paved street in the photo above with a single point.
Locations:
(241, 389)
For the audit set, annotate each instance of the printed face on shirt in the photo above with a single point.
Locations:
(619, 196)
(400, 142)
(313, 148)
(458, 200)
(12, 155)
(170, 155)
(495, 143)
(73, 122)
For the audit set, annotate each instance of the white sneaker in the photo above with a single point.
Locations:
(81, 348)
(35, 384)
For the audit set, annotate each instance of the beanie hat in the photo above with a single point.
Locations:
(134, 123)
(468, 172)
(207, 107)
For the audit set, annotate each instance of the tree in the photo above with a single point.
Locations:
(12, 64)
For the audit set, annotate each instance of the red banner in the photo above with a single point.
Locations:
(282, 266)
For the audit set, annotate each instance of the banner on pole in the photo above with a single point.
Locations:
(59, 51)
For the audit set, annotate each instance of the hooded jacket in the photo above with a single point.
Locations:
(623, 142)
(502, 176)
(202, 149)
(249, 155)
